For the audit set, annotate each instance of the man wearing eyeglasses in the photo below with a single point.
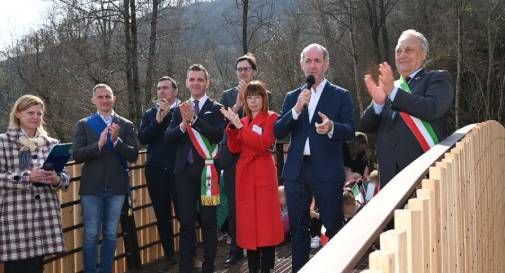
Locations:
(245, 68)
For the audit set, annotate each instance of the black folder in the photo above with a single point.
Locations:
(58, 157)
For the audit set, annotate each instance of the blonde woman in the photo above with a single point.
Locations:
(30, 226)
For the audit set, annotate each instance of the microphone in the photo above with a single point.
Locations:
(310, 81)
(308, 84)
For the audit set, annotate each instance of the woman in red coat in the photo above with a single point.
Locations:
(259, 226)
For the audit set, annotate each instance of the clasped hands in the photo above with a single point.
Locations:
(379, 90)
(113, 130)
(188, 113)
(233, 117)
(163, 109)
(39, 175)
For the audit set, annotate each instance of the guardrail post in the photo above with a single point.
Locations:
(131, 243)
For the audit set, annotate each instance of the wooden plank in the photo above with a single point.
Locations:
(410, 221)
(429, 195)
(382, 260)
(434, 185)
(458, 207)
(448, 173)
(422, 205)
(395, 241)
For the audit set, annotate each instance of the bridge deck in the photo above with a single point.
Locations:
(282, 263)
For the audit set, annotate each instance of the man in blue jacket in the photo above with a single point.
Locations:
(318, 120)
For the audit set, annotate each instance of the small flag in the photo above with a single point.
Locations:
(358, 196)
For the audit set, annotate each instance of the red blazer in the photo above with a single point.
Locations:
(257, 200)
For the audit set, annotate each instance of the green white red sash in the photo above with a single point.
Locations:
(209, 189)
(421, 129)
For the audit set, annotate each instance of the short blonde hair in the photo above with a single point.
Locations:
(100, 86)
(22, 103)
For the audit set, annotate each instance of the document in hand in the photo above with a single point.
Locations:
(58, 157)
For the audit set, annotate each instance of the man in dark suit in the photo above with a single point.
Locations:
(246, 71)
(399, 108)
(196, 128)
(159, 170)
(318, 121)
(104, 141)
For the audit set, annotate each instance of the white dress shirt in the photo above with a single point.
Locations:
(311, 108)
(108, 122)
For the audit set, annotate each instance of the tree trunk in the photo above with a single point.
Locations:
(354, 55)
(245, 10)
(459, 11)
(128, 66)
(151, 60)
(371, 7)
(135, 62)
(490, 62)
(385, 36)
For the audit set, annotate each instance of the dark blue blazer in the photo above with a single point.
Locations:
(430, 99)
(210, 123)
(326, 153)
(151, 133)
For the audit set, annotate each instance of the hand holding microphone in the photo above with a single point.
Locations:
(304, 97)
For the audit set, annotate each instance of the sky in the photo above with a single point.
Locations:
(20, 17)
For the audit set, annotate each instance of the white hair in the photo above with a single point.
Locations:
(414, 33)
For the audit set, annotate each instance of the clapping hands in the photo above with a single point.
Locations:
(232, 117)
(187, 113)
(378, 91)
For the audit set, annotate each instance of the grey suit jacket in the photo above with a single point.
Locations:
(102, 167)
(430, 100)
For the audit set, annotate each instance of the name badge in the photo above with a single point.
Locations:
(258, 130)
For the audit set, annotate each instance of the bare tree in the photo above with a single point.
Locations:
(344, 16)
(151, 59)
(256, 22)
(377, 12)
(245, 11)
(460, 4)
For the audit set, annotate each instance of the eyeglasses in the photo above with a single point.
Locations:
(244, 69)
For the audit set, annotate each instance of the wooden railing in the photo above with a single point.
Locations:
(453, 217)
(138, 239)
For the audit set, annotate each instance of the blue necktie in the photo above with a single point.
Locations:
(190, 157)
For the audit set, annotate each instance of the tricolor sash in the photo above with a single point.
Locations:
(209, 189)
(422, 130)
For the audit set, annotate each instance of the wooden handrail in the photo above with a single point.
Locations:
(351, 243)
